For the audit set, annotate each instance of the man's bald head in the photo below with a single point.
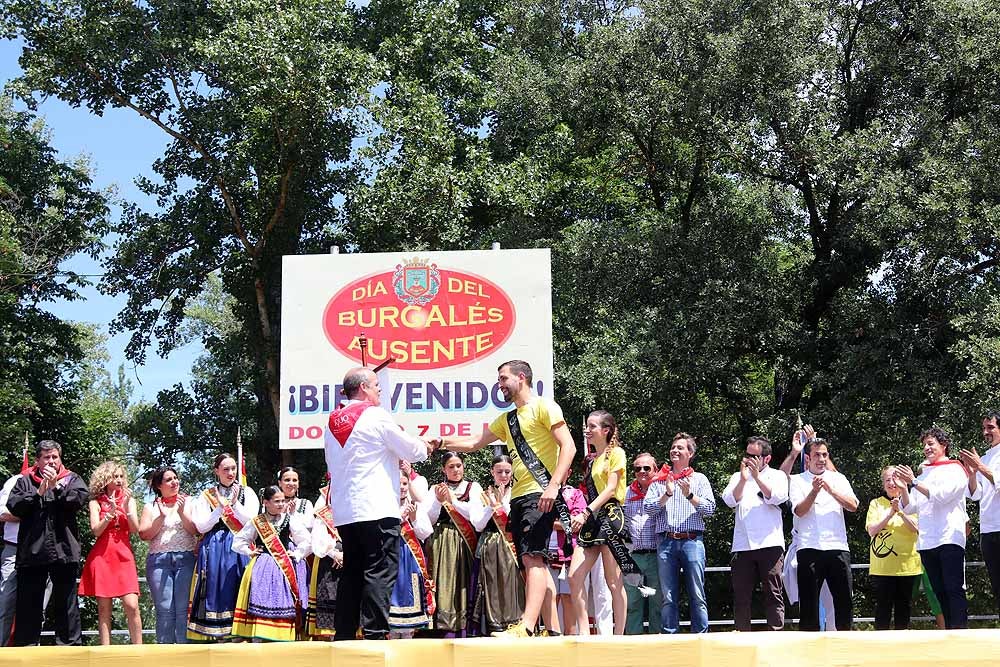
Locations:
(360, 384)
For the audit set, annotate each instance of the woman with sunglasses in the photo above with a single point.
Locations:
(604, 480)
(500, 598)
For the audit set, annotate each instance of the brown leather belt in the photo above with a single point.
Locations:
(681, 536)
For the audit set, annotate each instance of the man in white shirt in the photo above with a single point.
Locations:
(818, 498)
(8, 577)
(756, 492)
(363, 448)
(987, 475)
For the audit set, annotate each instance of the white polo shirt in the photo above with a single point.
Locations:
(758, 519)
(9, 527)
(822, 527)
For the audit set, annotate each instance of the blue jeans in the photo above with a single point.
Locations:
(8, 591)
(169, 577)
(672, 556)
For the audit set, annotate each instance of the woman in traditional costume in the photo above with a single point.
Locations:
(455, 508)
(601, 526)
(288, 481)
(109, 571)
(500, 599)
(218, 513)
(411, 604)
(326, 570)
(275, 583)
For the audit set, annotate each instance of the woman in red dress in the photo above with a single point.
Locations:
(109, 571)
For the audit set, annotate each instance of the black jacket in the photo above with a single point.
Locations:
(48, 532)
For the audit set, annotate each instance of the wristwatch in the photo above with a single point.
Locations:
(690, 495)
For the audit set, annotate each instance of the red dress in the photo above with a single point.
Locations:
(110, 571)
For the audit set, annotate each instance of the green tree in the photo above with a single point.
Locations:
(48, 213)
(259, 107)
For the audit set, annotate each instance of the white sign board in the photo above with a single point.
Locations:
(447, 319)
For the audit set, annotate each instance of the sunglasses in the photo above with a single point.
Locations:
(642, 468)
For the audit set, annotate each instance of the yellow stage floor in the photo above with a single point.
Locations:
(923, 648)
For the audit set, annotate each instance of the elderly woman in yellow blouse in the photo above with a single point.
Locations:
(894, 562)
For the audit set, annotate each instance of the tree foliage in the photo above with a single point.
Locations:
(755, 210)
(48, 213)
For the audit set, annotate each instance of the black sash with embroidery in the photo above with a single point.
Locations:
(611, 523)
(539, 472)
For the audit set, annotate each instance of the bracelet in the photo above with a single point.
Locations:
(688, 496)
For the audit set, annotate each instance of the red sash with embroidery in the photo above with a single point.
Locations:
(430, 588)
(343, 421)
(228, 515)
(272, 541)
(464, 526)
(325, 514)
(500, 520)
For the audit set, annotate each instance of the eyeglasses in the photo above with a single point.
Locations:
(642, 468)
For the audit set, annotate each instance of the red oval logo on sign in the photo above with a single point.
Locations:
(422, 316)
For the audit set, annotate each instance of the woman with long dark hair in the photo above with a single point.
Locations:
(172, 540)
(455, 508)
(500, 599)
(275, 585)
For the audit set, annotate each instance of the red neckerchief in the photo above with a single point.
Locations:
(342, 421)
(666, 472)
(119, 503)
(413, 474)
(638, 493)
(62, 471)
(944, 462)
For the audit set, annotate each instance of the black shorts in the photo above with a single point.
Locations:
(530, 527)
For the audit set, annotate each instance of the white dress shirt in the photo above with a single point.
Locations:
(758, 519)
(9, 527)
(942, 516)
(986, 493)
(822, 527)
(364, 472)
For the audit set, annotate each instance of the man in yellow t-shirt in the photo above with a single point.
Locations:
(540, 423)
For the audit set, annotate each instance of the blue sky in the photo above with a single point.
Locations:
(120, 146)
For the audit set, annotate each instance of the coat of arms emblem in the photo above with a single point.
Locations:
(416, 281)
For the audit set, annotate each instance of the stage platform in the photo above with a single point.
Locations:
(916, 648)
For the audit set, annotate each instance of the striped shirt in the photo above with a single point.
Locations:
(679, 515)
(641, 525)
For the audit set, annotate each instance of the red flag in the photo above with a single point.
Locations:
(24, 457)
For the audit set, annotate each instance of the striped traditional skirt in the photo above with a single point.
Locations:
(265, 607)
(453, 569)
(408, 604)
(500, 595)
(216, 581)
(322, 599)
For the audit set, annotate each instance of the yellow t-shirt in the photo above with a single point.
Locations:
(536, 417)
(893, 552)
(613, 458)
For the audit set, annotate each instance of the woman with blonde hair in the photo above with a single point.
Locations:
(109, 571)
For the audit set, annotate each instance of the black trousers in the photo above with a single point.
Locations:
(991, 554)
(833, 567)
(371, 561)
(945, 567)
(893, 594)
(31, 582)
